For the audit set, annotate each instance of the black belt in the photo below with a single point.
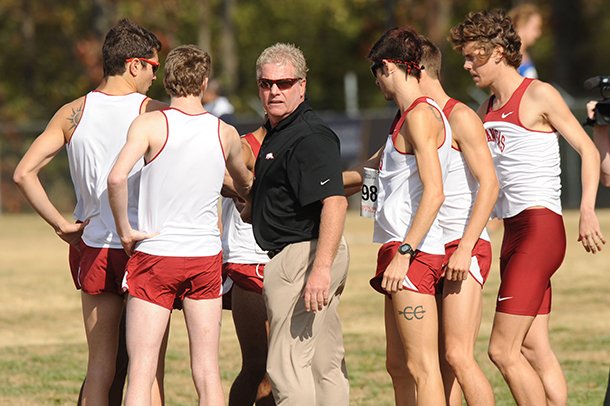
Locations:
(272, 253)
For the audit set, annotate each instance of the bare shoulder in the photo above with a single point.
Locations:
(227, 130)
(72, 111)
(150, 105)
(426, 116)
(153, 120)
(540, 91)
(465, 122)
(425, 111)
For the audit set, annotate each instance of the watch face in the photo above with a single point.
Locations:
(405, 249)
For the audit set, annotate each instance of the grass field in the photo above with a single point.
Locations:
(43, 350)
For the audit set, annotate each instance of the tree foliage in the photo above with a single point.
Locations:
(51, 50)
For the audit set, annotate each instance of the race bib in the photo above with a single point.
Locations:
(368, 194)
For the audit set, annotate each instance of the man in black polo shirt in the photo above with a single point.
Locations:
(298, 212)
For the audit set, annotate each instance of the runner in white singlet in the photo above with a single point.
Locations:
(411, 169)
(93, 128)
(523, 120)
(178, 255)
(470, 188)
(244, 262)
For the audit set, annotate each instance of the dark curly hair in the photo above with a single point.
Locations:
(488, 29)
(402, 46)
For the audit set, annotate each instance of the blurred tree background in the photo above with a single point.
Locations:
(51, 51)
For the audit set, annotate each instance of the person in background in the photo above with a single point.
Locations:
(601, 137)
(217, 104)
(527, 21)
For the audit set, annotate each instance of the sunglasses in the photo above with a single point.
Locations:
(154, 64)
(375, 67)
(282, 84)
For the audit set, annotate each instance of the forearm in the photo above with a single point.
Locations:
(601, 137)
(228, 188)
(352, 180)
(590, 162)
(332, 220)
(244, 185)
(481, 210)
(32, 190)
(427, 211)
(117, 196)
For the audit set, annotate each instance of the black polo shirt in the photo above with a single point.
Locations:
(299, 164)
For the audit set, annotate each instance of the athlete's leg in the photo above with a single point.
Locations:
(102, 316)
(453, 391)
(158, 389)
(146, 327)
(115, 397)
(203, 319)
(417, 323)
(537, 350)
(396, 360)
(250, 318)
(461, 318)
(507, 335)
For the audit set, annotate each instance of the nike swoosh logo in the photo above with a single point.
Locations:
(504, 115)
(322, 183)
(501, 299)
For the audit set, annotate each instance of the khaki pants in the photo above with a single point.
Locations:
(306, 361)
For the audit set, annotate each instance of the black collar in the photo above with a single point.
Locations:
(292, 117)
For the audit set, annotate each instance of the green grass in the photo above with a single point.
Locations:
(43, 349)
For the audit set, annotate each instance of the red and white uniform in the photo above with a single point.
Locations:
(460, 189)
(400, 189)
(238, 243)
(527, 161)
(180, 188)
(92, 150)
(534, 243)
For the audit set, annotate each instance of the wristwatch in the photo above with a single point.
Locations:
(405, 248)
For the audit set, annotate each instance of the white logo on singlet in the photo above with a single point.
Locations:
(501, 299)
(322, 183)
(504, 115)
(269, 155)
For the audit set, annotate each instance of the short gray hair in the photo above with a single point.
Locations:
(281, 53)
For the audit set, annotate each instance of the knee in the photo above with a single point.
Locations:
(397, 368)
(457, 358)
(499, 354)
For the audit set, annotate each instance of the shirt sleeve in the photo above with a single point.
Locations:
(314, 170)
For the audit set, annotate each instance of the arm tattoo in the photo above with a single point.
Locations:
(75, 117)
(413, 312)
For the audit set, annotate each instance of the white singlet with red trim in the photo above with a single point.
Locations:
(460, 189)
(238, 243)
(527, 162)
(401, 189)
(180, 188)
(92, 150)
